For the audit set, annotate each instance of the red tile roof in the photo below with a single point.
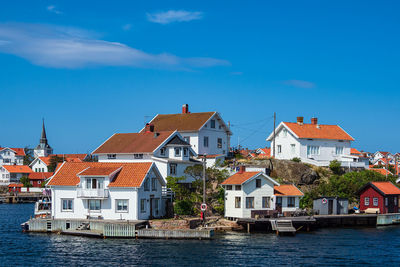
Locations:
(18, 151)
(387, 188)
(47, 159)
(381, 171)
(181, 122)
(15, 185)
(287, 190)
(354, 151)
(323, 131)
(239, 178)
(133, 142)
(266, 150)
(131, 174)
(40, 175)
(17, 168)
(213, 156)
(100, 171)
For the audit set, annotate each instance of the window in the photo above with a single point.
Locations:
(228, 187)
(177, 151)
(375, 201)
(137, 156)
(266, 202)
(284, 132)
(279, 149)
(156, 201)
(212, 124)
(187, 139)
(238, 187)
(249, 202)
(312, 150)
(219, 142)
(6, 160)
(94, 183)
(172, 169)
(293, 148)
(94, 204)
(185, 152)
(339, 150)
(67, 205)
(143, 205)
(279, 201)
(146, 185)
(39, 182)
(153, 184)
(238, 203)
(205, 141)
(121, 205)
(291, 202)
(111, 156)
(258, 183)
(366, 201)
(386, 201)
(162, 151)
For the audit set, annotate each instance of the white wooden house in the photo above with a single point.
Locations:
(110, 191)
(13, 173)
(248, 191)
(10, 157)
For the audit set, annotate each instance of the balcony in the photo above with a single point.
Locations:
(92, 193)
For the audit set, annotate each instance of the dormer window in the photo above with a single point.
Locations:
(177, 151)
(185, 152)
(137, 156)
(162, 151)
(212, 124)
(94, 183)
(111, 156)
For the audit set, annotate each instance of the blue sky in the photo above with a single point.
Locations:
(95, 68)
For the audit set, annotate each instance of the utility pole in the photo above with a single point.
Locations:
(204, 187)
(273, 148)
(386, 166)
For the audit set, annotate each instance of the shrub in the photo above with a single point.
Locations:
(183, 207)
(335, 167)
(296, 159)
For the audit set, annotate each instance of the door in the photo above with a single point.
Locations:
(390, 204)
(151, 207)
(338, 207)
(330, 206)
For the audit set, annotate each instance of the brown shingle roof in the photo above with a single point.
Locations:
(133, 142)
(323, 131)
(181, 122)
(131, 174)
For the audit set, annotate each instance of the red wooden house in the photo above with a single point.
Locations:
(38, 178)
(384, 196)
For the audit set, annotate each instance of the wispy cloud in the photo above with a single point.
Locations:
(127, 27)
(53, 9)
(174, 16)
(236, 73)
(65, 47)
(300, 84)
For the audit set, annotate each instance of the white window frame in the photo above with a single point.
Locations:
(219, 142)
(138, 156)
(366, 201)
(162, 151)
(266, 200)
(185, 151)
(248, 202)
(177, 151)
(339, 150)
(123, 210)
(290, 205)
(375, 202)
(238, 202)
(111, 156)
(284, 132)
(172, 168)
(313, 150)
(67, 209)
(212, 124)
(279, 148)
(94, 210)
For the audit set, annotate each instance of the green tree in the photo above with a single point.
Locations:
(28, 158)
(54, 160)
(336, 167)
(25, 181)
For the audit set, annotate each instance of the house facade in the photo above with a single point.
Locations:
(313, 143)
(206, 132)
(41, 164)
(9, 156)
(248, 191)
(379, 197)
(110, 191)
(167, 149)
(37, 179)
(13, 173)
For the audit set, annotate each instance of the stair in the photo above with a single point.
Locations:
(83, 226)
(48, 225)
(283, 226)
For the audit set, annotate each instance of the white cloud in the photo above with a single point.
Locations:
(53, 9)
(174, 16)
(300, 84)
(64, 47)
(127, 27)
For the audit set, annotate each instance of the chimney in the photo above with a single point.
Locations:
(314, 121)
(242, 169)
(149, 128)
(300, 120)
(185, 109)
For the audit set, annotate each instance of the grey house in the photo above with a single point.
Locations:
(330, 205)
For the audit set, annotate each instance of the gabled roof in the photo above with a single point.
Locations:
(314, 131)
(133, 142)
(287, 190)
(47, 160)
(130, 175)
(18, 151)
(386, 188)
(17, 168)
(266, 150)
(240, 178)
(99, 171)
(177, 141)
(40, 175)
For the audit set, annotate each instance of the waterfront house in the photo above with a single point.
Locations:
(250, 192)
(13, 173)
(38, 178)
(330, 205)
(15, 187)
(110, 191)
(9, 156)
(314, 143)
(379, 197)
(206, 132)
(167, 149)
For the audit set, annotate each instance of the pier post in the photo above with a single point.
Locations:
(248, 228)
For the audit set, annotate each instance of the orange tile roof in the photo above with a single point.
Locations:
(323, 132)
(354, 151)
(181, 121)
(18, 151)
(47, 160)
(133, 142)
(213, 156)
(266, 150)
(131, 174)
(381, 171)
(239, 178)
(40, 175)
(387, 188)
(102, 171)
(15, 185)
(17, 168)
(287, 190)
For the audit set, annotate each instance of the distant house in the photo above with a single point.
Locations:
(264, 151)
(206, 132)
(9, 156)
(110, 191)
(167, 149)
(41, 164)
(15, 187)
(384, 162)
(330, 205)
(38, 178)
(13, 173)
(382, 155)
(313, 143)
(248, 191)
(382, 197)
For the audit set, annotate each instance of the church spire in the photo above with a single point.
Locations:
(43, 138)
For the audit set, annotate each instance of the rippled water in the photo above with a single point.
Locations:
(360, 246)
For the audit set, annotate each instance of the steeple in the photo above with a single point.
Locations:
(43, 149)
(43, 138)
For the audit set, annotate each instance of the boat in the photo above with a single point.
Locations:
(43, 205)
